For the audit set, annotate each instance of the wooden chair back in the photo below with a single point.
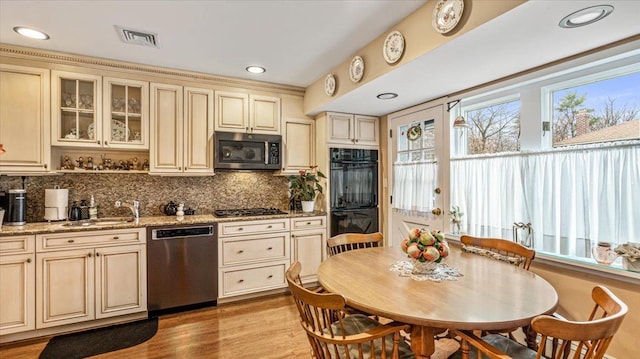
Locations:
(323, 318)
(503, 247)
(350, 241)
(570, 339)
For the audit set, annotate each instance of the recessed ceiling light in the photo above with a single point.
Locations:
(31, 33)
(586, 16)
(387, 96)
(256, 69)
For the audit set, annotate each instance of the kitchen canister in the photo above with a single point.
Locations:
(56, 202)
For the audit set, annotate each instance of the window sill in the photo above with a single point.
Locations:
(614, 271)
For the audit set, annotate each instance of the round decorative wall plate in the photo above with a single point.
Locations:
(356, 69)
(329, 85)
(393, 47)
(446, 15)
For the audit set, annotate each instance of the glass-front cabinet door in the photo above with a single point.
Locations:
(76, 110)
(126, 119)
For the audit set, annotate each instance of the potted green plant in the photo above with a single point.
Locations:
(304, 186)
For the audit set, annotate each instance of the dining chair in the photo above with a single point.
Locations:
(569, 339)
(333, 334)
(350, 241)
(501, 249)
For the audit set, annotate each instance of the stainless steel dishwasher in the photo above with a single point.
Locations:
(182, 266)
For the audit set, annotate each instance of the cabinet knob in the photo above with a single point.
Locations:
(89, 255)
(97, 254)
(356, 140)
(116, 237)
(179, 168)
(308, 223)
(269, 226)
(28, 260)
(246, 129)
(70, 241)
(98, 141)
(106, 143)
(45, 166)
(270, 248)
(240, 251)
(241, 280)
(270, 276)
(240, 228)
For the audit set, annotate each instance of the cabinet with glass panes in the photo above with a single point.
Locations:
(75, 109)
(126, 118)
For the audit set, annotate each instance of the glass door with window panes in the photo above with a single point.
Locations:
(76, 109)
(125, 114)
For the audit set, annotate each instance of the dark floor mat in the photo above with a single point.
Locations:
(101, 340)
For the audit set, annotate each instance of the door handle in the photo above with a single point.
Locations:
(436, 211)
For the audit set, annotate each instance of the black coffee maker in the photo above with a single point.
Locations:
(14, 202)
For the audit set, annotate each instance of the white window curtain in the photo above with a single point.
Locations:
(413, 187)
(573, 197)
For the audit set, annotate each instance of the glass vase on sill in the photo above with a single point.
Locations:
(456, 226)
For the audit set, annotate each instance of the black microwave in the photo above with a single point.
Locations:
(247, 151)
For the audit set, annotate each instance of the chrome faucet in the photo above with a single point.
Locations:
(135, 207)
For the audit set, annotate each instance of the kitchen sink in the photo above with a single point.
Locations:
(107, 221)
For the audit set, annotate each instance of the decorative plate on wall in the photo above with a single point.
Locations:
(356, 69)
(329, 85)
(393, 47)
(446, 15)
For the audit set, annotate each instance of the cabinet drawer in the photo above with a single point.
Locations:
(17, 245)
(308, 222)
(252, 227)
(250, 280)
(57, 241)
(259, 248)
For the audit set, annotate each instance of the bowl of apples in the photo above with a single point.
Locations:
(426, 249)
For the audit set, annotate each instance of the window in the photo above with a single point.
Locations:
(493, 128)
(576, 180)
(597, 111)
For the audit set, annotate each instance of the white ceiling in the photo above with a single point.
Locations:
(300, 41)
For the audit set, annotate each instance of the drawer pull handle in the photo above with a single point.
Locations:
(240, 251)
(116, 237)
(308, 223)
(241, 280)
(269, 226)
(70, 241)
(28, 260)
(240, 228)
(270, 248)
(270, 276)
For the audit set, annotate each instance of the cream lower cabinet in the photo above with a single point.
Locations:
(25, 119)
(84, 276)
(17, 284)
(299, 145)
(252, 256)
(181, 130)
(308, 245)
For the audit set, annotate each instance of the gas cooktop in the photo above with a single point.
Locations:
(244, 212)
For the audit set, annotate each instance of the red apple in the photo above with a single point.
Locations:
(413, 251)
(414, 233)
(444, 250)
(431, 254)
(404, 244)
(426, 239)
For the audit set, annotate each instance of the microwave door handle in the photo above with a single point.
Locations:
(266, 152)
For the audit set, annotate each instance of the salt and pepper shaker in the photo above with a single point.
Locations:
(180, 212)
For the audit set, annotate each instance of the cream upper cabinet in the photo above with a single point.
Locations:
(17, 284)
(353, 129)
(181, 130)
(240, 112)
(76, 116)
(126, 113)
(299, 145)
(25, 119)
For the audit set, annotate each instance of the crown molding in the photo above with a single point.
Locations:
(27, 53)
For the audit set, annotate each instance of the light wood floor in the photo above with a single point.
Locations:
(266, 328)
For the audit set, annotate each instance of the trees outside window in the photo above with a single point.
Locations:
(494, 128)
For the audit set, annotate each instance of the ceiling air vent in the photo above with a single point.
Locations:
(137, 37)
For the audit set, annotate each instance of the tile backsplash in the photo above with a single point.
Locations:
(227, 189)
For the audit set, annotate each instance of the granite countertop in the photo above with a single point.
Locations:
(55, 227)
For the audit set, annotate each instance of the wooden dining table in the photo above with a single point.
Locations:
(490, 295)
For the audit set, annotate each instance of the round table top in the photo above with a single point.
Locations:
(490, 295)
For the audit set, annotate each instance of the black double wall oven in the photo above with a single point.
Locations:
(354, 190)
